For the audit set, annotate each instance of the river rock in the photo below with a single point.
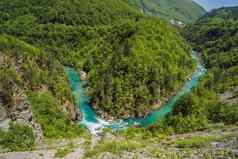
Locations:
(83, 75)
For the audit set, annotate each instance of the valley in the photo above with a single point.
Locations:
(117, 79)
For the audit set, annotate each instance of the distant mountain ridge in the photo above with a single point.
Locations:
(209, 5)
(224, 12)
(186, 11)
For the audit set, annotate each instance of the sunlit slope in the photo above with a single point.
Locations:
(184, 10)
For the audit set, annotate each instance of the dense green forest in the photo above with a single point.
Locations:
(214, 36)
(131, 60)
(186, 11)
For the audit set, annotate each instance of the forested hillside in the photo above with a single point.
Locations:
(122, 52)
(130, 64)
(214, 100)
(215, 35)
(186, 11)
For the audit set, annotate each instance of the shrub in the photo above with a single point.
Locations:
(54, 122)
(198, 141)
(19, 137)
(114, 147)
(224, 113)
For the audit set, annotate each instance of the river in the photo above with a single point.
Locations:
(95, 124)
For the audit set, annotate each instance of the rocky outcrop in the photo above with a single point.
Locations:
(230, 96)
(4, 120)
(20, 111)
(72, 111)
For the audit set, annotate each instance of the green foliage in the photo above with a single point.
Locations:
(62, 152)
(141, 63)
(114, 147)
(29, 68)
(198, 141)
(19, 137)
(215, 35)
(135, 54)
(72, 12)
(183, 10)
(224, 113)
(131, 60)
(55, 123)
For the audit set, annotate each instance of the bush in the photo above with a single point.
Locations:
(114, 147)
(62, 152)
(19, 137)
(224, 113)
(54, 122)
(198, 141)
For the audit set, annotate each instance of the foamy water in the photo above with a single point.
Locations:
(96, 125)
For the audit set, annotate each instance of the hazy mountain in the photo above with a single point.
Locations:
(208, 4)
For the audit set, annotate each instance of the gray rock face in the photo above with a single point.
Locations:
(20, 108)
(3, 113)
(20, 111)
(4, 120)
(230, 96)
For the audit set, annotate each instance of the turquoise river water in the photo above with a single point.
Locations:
(95, 124)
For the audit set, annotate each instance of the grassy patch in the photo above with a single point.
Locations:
(157, 153)
(114, 147)
(19, 137)
(199, 141)
(62, 152)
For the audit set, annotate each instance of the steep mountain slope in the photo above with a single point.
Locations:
(216, 37)
(122, 52)
(184, 10)
(33, 87)
(70, 12)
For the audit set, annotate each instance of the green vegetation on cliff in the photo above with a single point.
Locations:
(29, 69)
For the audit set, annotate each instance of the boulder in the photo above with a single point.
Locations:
(83, 75)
